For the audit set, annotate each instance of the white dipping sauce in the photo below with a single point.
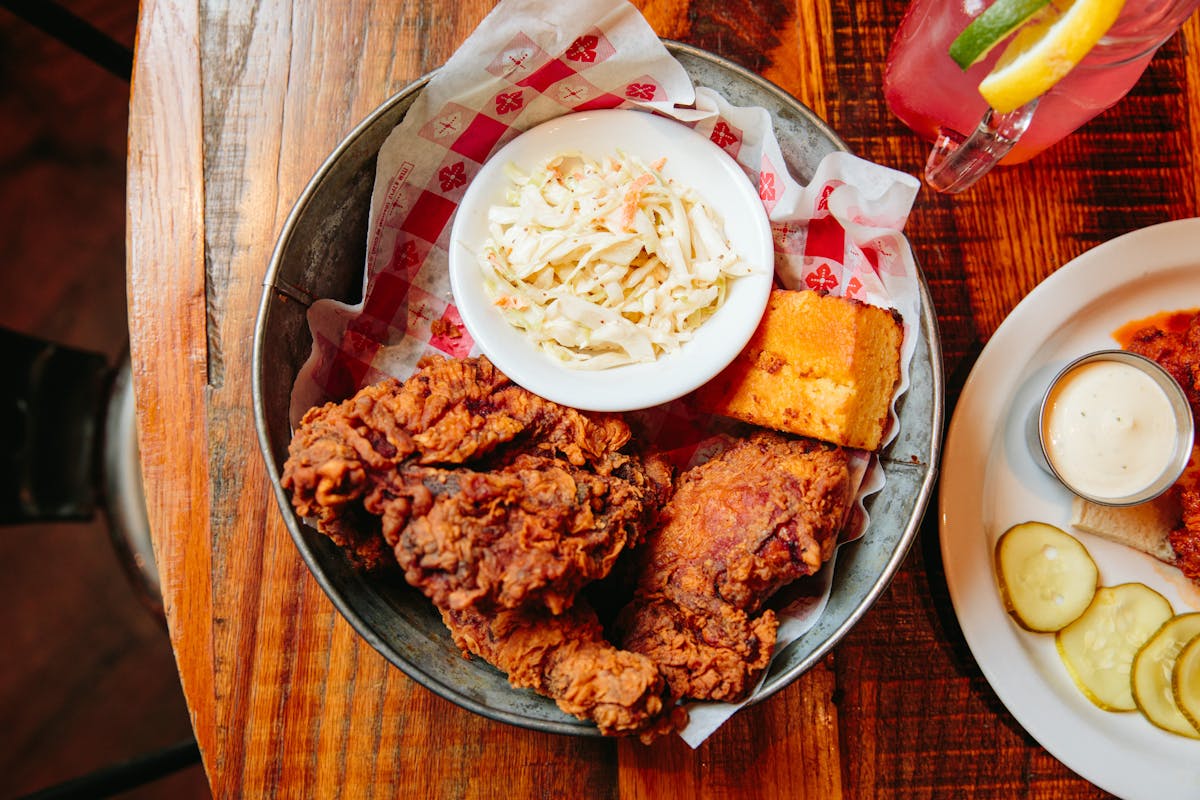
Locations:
(1109, 430)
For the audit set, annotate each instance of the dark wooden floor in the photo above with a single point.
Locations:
(86, 677)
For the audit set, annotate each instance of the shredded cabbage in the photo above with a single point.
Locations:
(605, 263)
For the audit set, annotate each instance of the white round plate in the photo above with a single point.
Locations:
(990, 482)
(693, 161)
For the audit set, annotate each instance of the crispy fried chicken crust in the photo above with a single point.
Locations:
(761, 514)
(1185, 540)
(499, 506)
(1178, 352)
(483, 492)
(566, 657)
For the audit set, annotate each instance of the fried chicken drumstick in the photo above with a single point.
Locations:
(565, 656)
(498, 505)
(761, 514)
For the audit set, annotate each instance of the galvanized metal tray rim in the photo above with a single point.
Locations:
(921, 472)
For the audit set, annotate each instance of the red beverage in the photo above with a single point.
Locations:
(934, 96)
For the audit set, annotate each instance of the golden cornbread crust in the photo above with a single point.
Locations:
(819, 366)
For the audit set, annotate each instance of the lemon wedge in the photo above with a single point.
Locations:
(1045, 49)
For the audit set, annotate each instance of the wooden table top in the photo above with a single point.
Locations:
(235, 105)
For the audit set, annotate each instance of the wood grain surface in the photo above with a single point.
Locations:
(236, 104)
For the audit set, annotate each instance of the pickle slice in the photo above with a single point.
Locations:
(1047, 579)
(1099, 647)
(1185, 683)
(1154, 670)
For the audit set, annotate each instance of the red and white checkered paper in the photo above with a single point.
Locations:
(529, 62)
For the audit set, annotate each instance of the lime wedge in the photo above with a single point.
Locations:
(1045, 49)
(990, 28)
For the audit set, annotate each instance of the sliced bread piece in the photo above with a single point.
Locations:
(1143, 527)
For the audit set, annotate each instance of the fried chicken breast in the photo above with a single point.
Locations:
(484, 493)
(763, 513)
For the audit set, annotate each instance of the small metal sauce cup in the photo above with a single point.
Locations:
(1184, 431)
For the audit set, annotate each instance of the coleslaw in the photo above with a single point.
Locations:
(605, 262)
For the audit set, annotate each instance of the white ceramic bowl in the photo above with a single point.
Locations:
(692, 160)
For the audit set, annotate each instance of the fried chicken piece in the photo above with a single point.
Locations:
(483, 492)
(499, 506)
(1185, 540)
(1178, 352)
(330, 467)
(565, 657)
(761, 514)
(537, 529)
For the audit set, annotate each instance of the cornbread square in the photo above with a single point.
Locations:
(819, 366)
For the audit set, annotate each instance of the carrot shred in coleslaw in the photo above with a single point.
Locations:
(608, 262)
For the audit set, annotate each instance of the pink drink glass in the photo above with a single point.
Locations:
(941, 102)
